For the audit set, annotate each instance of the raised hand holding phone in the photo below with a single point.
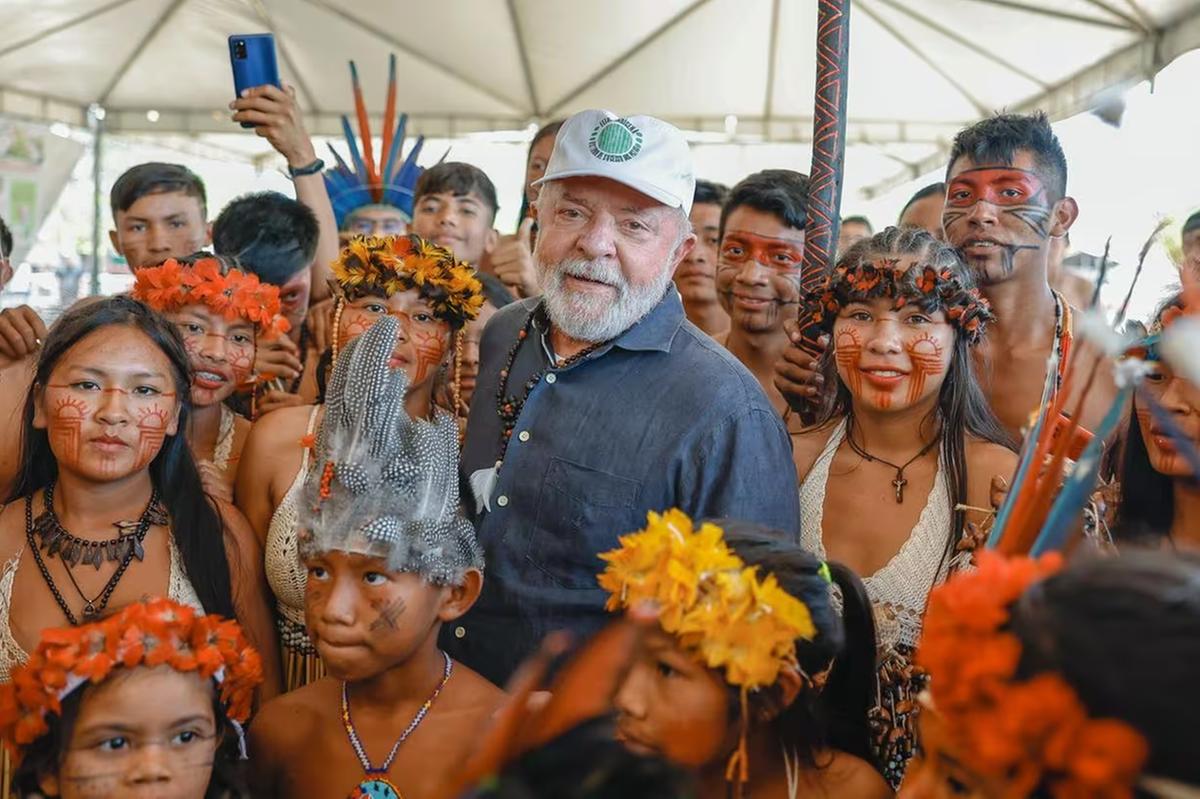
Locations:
(252, 57)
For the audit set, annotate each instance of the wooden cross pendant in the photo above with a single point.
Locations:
(899, 483)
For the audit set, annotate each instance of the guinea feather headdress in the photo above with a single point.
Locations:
(384, 484)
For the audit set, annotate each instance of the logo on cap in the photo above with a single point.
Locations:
(615, 140)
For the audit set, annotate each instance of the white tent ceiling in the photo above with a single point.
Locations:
(919, 69)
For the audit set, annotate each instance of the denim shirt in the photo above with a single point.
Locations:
(663, 417)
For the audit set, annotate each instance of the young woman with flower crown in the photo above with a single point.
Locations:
(1053, 681)
(221, 313)
(433, 296)
(147, 702)
(904, 455)
(751, 680)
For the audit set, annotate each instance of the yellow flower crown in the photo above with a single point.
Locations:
(391, 264)
(709, 598)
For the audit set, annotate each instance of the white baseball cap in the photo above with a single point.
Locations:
(640, 152)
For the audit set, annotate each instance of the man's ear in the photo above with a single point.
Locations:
(493, 238)
(1063, 215)
(683, 251)
(208, 234)
(458, 599)
(115, 240)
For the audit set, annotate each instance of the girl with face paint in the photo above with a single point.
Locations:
(109, 507)
(144, 704)
(904, 441)
(432, 296)
(1159, 501)
(220, 313)
(749, 658)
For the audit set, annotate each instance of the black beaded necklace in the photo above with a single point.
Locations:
(508, 406)
(47, 532)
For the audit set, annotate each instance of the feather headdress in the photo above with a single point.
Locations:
(364, 181)
(385, 485)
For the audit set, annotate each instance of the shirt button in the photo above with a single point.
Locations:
(460, 632)
(551, 378)
(523, 435)
(502, 501)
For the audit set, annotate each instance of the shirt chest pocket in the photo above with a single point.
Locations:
(581, 512)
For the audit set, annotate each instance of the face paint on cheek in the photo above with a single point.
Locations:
(65, 432)
(430, 349)
(354, 324)
(847, 351)
(927, 358)
(152, 431)
(241, 361)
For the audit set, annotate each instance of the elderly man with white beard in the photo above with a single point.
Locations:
(599, 401)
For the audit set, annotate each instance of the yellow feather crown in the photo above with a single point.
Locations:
(708, 597)
(387, 265)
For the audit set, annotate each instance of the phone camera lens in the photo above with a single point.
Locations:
(239, 48)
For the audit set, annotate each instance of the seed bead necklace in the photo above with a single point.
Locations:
(508, 406)
(377, 785)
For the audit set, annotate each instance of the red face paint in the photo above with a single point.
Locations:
(355, 322)
(757, 276)
(1022, 218)
(64, 429)
(152, 430)
(88, 435)
(925, 352)
(847, 351)
(740, 246)
(1000, 186)
(430, 348)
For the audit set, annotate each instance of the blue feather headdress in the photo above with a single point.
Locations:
(362, 182)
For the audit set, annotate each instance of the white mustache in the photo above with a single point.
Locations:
(598, 271)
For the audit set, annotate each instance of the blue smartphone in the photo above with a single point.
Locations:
(252, 56)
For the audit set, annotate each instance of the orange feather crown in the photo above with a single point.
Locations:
(1024, 733)
(234, 294)
(153, 633)
(387, 265)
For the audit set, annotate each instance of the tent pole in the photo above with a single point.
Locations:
(97, 211)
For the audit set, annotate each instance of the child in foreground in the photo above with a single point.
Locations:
(751, 680)
(389, 560)
(146, 703)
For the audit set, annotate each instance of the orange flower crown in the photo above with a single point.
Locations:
(716, 605)
(153, 633)
(391, 264)
(1023, 733)
(233, 294)
(928, 288)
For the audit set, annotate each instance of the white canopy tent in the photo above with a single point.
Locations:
(723, 69)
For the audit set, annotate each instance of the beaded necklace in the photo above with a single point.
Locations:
(377, 785)
(508, 406)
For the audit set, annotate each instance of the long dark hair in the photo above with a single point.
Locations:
(835, 717)
(195, 525)
(45, 755)
(1124, 632)
(1147, 506)
(961, 409)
